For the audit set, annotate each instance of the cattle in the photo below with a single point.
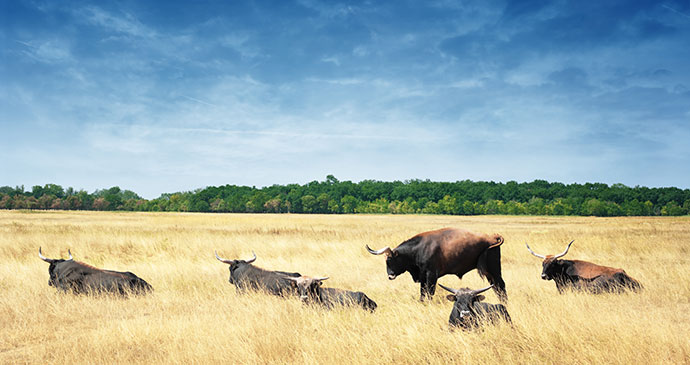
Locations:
(468, 311)
(431, 255)
(583, 275)
(245, 276)
(311, 291)
(78, 277)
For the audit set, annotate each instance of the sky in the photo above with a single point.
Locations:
(168, 96)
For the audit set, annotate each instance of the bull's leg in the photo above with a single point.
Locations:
(499, 288)
(428, 286)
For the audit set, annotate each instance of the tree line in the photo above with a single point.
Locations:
(332, 196)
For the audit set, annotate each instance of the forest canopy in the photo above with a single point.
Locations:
(332, 196)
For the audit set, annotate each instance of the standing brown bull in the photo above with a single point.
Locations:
(78, 277)
(430, 255)
(583, 275)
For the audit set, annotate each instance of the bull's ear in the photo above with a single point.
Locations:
(451, 297)
(395, 253)
(480, 298)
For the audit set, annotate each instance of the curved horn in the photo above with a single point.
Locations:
(321, 278)
(387, 250)
(447, 288)
(70, 254)
(40, 254)
(252, 260)
(479, 291)
(225, 261)
(564, 252)
(535, 254)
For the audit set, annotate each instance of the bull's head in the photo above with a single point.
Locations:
(234, 264)
(550, 266)
(307, 286)
(464, 299)
(53, 281)
(395, 263)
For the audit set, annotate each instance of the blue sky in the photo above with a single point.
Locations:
(171, 96)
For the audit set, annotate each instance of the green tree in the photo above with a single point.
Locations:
(309, 204)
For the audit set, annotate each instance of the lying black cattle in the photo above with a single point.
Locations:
(430, 255)
(78, 277)
(311, 291)
(244, 276)
(583, 275)
(468, 311)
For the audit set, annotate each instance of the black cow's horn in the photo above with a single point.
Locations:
(222, 260)
(70, 254)
(479, 291)
(252, 260)
(40, 254)
(535, 254)
(387, 250)
(447, 288)
(566, 250)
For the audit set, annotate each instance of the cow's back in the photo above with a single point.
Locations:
(453, 250)
(335, 296)
(587, 270)
(256, 278)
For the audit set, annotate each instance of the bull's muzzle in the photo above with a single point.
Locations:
(544, 277)
(391, 276)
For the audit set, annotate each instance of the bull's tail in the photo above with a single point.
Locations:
(489, 267)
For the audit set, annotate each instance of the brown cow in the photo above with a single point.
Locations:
(583, 275)
(430, 255)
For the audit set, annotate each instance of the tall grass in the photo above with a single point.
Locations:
(196, 316)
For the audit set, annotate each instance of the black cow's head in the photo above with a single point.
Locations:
(53, 281)
(234, 264)
(551, 266)
(307, 286)
(464, 299)
(395, 264)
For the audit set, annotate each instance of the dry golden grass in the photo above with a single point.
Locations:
(195, 315)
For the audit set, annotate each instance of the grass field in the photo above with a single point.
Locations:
(195, 315)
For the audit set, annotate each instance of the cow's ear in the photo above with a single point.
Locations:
(451, 297)
(480, 298)
(395, 253)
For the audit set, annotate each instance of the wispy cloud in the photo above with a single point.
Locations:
(192, 95)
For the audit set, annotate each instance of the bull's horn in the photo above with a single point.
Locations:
(70, 254)
(40, 254)
(535, 254)
(290, 277)
(447, 288)
(566, 250)
(387, 250)
(252, 260)
(321, 278)
(479, 291)
(222, 260)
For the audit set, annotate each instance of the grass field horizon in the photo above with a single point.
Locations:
(195, 316)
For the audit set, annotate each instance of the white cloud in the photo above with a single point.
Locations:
(127, 24)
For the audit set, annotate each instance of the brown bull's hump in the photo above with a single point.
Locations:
(588, 270)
